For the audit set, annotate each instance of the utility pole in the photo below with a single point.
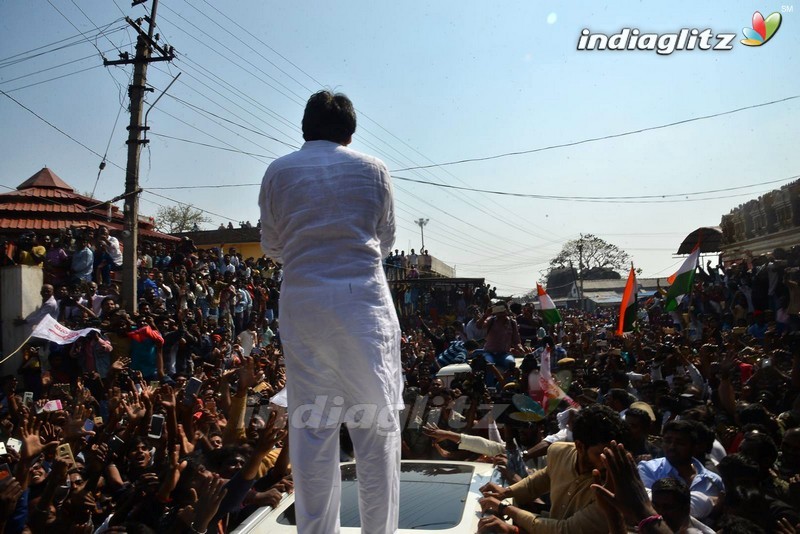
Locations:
(422, 222)
(580, 271)
(146, 43)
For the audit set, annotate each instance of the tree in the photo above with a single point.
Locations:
(592, 258)
(179, 218)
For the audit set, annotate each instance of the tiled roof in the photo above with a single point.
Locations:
(45, 179)
(45, 202)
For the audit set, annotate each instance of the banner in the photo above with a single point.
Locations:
(51, 330)
(549, 386)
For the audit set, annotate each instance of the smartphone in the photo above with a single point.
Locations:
(98, 421)
(14, 444)
(88, 425)
(116, 444)
(52, 406)
(3, 450)
(155, 384)
(64, 452)
(192, 388)
(27, 398)
(156, 426)
(5, 471)
(261, 386)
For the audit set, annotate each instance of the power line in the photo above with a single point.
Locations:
(48, 69)
(319, 83)
(7, 61)
(611, 200)
(604, 137)
(220, 117)
(207, 145)
(34, 84)
(190, 205)
(551, 197)
(56, 128)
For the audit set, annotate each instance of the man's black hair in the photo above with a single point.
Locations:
(705, 435)
(682, 427)
(734, 467)
(621, 396)
(732, 524)
(765, 446)
(638, 412)
(597, 424)
(676, 487)
(329, 117)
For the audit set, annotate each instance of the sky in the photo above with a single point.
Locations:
(433, 83)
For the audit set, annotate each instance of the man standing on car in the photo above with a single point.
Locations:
(338, 325)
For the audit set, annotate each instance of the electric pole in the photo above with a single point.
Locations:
(146, 43)
(580, 272)
(422, 222)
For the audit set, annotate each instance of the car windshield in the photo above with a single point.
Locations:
(432, 496)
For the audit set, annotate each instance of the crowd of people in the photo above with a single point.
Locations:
(161, 420)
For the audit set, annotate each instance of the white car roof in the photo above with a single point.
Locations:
(264, 520)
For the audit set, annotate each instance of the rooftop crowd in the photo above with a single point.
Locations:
(691, 423)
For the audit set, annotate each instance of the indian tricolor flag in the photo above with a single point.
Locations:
(629, 305)
(549, 312)
(681, 281)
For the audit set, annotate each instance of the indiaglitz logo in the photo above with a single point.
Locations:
(663, 43)
(684, 39)
(763, 29)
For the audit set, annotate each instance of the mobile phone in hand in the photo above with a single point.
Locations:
(14, 444)
(156, 426)
(116, 444)
(192, 388)
(64, 452)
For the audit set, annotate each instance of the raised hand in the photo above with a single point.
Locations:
(31, 439)
(624, 489)
(213, 491)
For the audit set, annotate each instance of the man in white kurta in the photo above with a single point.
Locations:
(327, 214)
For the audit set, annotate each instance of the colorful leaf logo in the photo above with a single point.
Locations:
(762, 30)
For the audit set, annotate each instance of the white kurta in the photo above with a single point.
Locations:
(327, 214)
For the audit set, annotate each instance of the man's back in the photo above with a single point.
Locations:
(329, 216)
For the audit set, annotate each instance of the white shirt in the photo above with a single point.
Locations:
(115, 251)
(320, 205)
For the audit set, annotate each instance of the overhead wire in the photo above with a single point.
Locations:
(605, 137)
(59, 130)
(34, 84)
(167, 113)
(28, 75)
(15, 59)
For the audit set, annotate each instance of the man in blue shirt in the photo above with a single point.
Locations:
(83, 261)
(679, 439)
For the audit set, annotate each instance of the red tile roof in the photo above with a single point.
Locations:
(46, 202)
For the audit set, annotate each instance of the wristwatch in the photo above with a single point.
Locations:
(501, 510)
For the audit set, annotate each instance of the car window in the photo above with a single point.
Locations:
(432, 496)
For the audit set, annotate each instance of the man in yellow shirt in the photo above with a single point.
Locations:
(567, 478)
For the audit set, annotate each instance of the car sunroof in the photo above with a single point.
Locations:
(432, 496)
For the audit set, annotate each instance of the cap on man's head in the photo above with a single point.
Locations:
(639, 405)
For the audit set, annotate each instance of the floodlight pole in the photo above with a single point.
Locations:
(422, 222)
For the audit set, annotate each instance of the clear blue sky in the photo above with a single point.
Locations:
(433, 82)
